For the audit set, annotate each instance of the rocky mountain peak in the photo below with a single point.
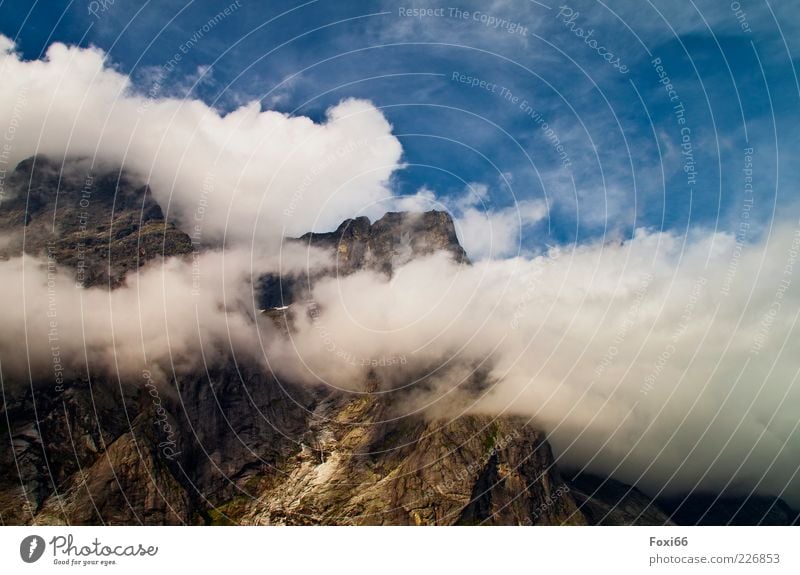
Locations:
(100, 222)
(393, 240)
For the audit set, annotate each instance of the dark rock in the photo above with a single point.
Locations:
(101, 226)
(605, 501)
(393, 240)
(711, 509)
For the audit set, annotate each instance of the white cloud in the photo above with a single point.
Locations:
(497, 233)
(254, 172)
(631, 355)
(483, 230)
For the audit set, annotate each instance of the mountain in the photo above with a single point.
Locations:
(244, 447)
(713, 509)
(101, 225)
(357, 244)
(391, 241)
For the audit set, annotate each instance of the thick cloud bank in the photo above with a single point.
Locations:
(662, 360)
(158, 320)
(248, 174)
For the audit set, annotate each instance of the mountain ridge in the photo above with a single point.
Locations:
(357, 244)
(250, 448)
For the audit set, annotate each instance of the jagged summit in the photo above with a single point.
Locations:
(102, 223)
(392, 240)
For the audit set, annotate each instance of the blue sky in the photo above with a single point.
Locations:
(620, 134)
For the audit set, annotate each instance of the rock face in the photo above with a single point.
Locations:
(705, 509)
(246, 448)
(356, 468)
(252, 451)
(604, 501)
(101, 225)
(391, 241)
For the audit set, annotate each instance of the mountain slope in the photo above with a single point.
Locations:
(243, 446)
(102, 225)
(389, 242)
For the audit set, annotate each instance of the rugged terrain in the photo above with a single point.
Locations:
(246, 448)
(101, 225)
(357, 244)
